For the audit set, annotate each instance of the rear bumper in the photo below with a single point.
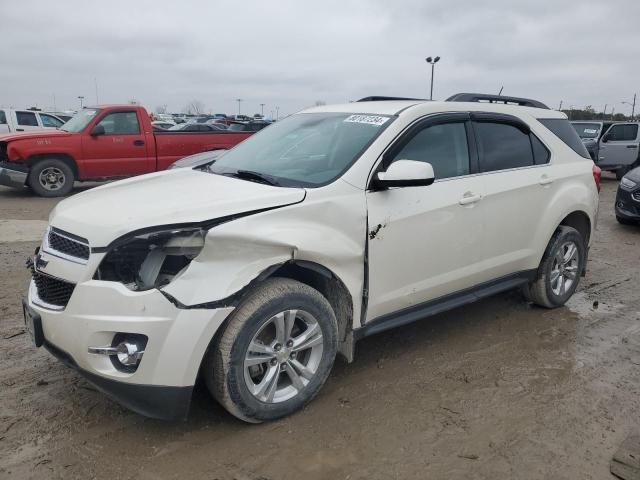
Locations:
(13, 175)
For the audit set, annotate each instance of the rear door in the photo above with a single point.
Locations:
(423, 241)
(619, 146)
(26, 121)
(120, 151)
(517, 178)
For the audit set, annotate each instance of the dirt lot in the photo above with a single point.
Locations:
(494, 390)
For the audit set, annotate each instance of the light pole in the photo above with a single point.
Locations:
(277, 113)
(432, 62)
(262, 109)
(633, 106)
(239, 100)
(81, 98)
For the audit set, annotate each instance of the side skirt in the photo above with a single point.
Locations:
(444, 303)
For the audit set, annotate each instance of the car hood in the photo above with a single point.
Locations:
(9, 137)
(634, 175)
(171, 197)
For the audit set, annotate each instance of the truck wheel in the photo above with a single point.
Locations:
(275, 353)
(51, 178)
(559, 271)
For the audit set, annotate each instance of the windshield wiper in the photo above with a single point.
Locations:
(253, 176)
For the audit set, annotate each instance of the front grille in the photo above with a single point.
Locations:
(68, 244)
(52, 290)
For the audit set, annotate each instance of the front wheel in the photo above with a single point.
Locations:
(275, 353)
(560, 269)
(51, 178)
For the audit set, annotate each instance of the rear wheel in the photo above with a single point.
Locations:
(51, 178)
(275, 353)
(560, 269)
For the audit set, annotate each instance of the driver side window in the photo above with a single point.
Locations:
(120, 123)
(444, 146)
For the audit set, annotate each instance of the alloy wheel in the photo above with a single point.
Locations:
(564, 270)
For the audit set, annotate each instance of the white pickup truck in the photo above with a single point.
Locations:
(23, 120)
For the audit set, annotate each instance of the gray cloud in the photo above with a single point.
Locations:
(291, 53)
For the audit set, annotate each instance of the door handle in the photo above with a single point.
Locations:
(469, 198)
(632, 146)
(19, 129)
(546, 180)
(138, 143)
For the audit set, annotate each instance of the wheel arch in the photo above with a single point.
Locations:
(66, 158)
(579, 220)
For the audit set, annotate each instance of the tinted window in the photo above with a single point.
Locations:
(562, 129)
(623, 132)
(49, 121)
(3, 117)
(502, 146)
(540, 153)
(120, 123)
(443, 146)
(27, 119)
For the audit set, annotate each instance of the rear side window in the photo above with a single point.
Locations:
(502, 146)
(49, 121)
(27, 119)
(444, 146)
(562, 129)
(3, 117)
(623, 132)
(540, 153)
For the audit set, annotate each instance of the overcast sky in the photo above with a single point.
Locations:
(293, 53)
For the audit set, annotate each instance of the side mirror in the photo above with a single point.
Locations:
(606, 137)
(406, 173)
(97, 131)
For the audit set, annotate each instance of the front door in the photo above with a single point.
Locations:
(25, 121)
(619, 146)
(424, 241)
(120, 151)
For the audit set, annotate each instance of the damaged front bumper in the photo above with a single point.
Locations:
(13, 175)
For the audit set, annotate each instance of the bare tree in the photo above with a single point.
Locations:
(161, 108)
(320, 103)
(194, 107)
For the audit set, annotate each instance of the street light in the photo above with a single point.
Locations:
(633, 106)
(277, 113)
(239, 100)
(432, 62)
(262, 109)
(81, 98)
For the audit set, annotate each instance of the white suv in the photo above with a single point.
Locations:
(336, 223)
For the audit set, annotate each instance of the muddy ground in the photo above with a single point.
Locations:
(497, 389)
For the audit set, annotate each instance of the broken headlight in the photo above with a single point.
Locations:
(151, 260)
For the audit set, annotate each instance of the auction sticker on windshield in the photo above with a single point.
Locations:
(368, 119)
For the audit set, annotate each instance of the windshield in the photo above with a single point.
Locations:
(587, 130)
(309, 149)
(80, 120)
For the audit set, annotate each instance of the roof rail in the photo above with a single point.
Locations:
(378, 98)
(484, 97)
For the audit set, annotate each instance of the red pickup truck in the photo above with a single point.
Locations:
(98, 143)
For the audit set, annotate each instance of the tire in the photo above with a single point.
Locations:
(546, 292)
(51, 178)
(246, 392)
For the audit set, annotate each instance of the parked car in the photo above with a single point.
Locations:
(591, 131)
(163, 124)
(619, 148)
(25, 120)
(334, 224)
(199, 160)
(197, 127)
(628, 198)
(64, 116)
(98, 143)
(252, 126)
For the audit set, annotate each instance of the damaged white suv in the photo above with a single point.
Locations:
(255, 270)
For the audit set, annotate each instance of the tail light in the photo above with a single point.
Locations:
(597, 174)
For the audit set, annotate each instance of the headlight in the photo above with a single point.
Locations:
(152, 259)
(627, 183)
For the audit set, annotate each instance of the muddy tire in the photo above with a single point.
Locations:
(559, 272)
(274, 353)
(51, 178)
